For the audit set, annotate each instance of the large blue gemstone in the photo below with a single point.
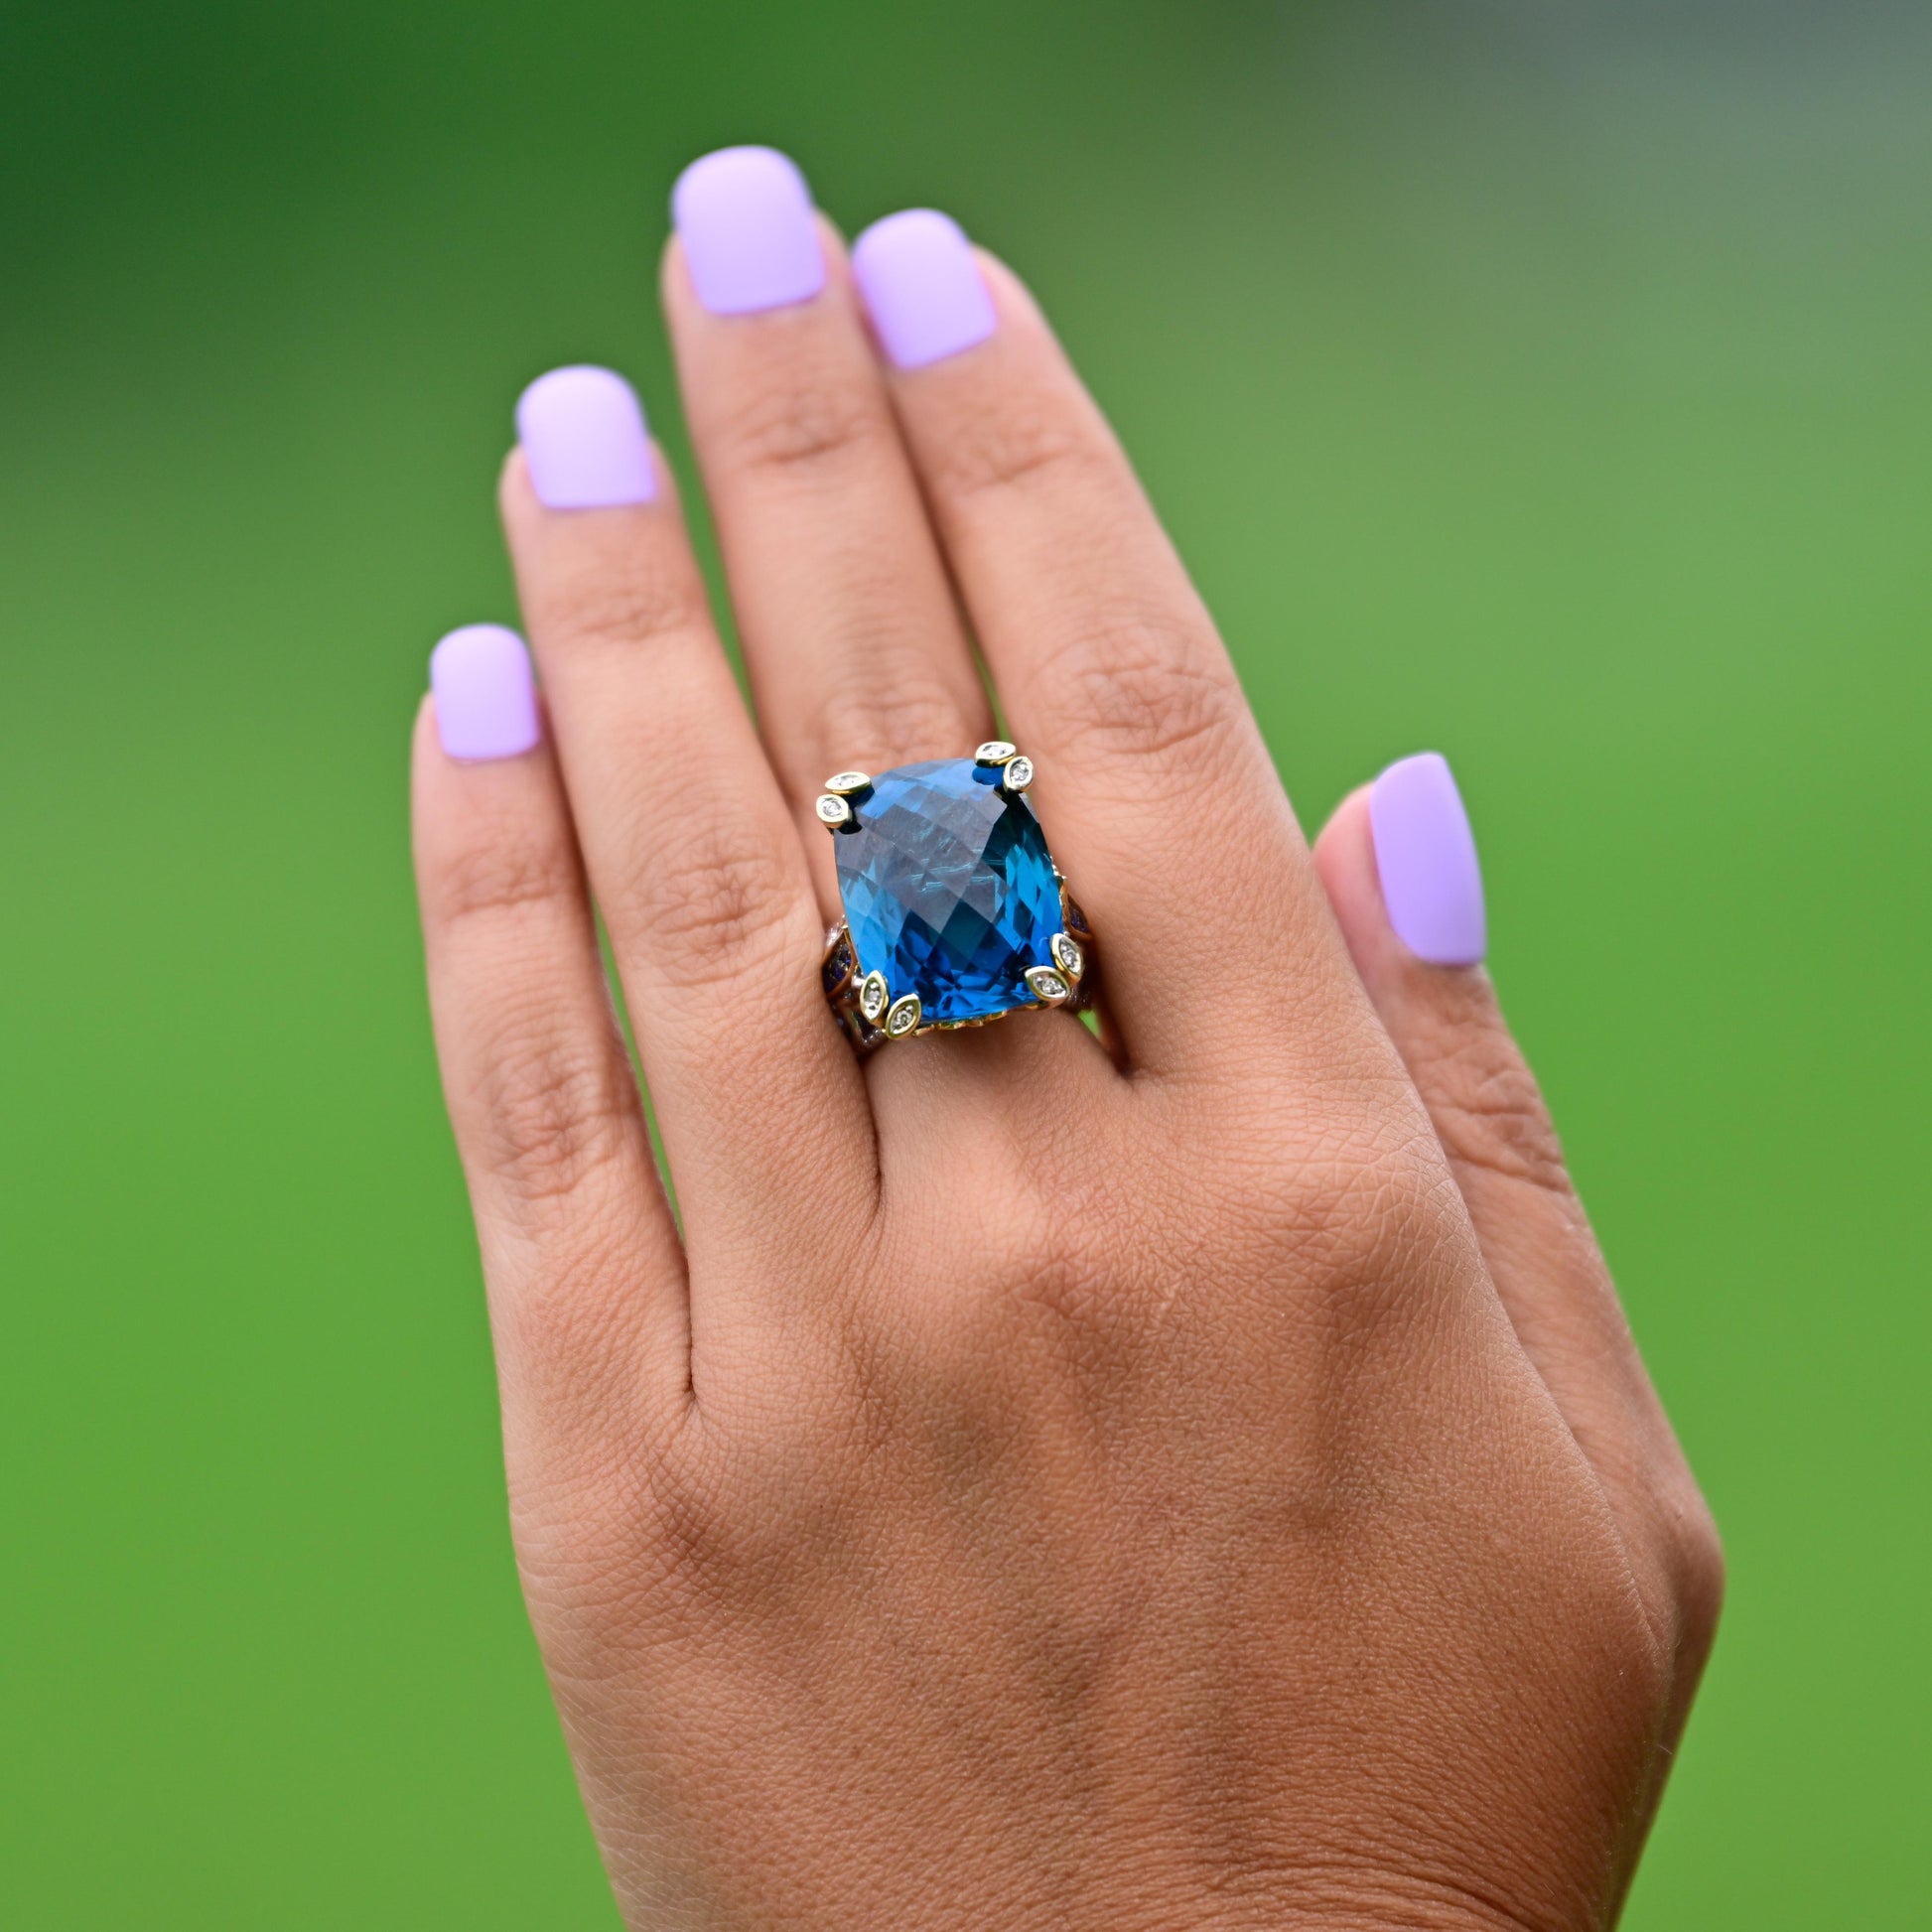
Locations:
(948, 889)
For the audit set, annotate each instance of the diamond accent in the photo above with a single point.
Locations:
(996, 751)
(904, 1016)
(1068, 956)
(1018, 776)
(847, 781)
(833, 811)
(1048, 986)
(872, 999)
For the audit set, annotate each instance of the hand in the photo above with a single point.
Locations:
(1202, 1480)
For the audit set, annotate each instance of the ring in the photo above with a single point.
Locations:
(955, 913)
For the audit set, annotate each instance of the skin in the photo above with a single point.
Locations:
(1203, 1483)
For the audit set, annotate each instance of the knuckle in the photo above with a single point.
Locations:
(717, 909)
(1344, 1235)
(1070, 1296)
(887, 711)
(736, 1505)
(1022, 443)
(1362, 1214)
(1489, 1111)
(1143, 684)
(492, 877)
(794, 426)
(1358, 1224)
(627, 608)
(559, 1114)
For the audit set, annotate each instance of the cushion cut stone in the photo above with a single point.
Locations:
(948, 889)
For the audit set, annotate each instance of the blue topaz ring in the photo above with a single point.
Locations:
(954, 909)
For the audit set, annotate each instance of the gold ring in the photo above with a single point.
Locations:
(955, 913)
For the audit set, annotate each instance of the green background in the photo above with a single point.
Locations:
(1544, 382)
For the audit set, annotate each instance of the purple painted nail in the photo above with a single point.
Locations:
(921, 287)
(744, 217)
(1425, 854)
(486, 697)
(584, 437)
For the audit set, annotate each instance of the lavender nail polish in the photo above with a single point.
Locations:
(744, 217)
(485, 694)
(584, 437)
(1432, 883)
(921, 287)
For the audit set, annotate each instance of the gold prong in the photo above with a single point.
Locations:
(846, 782)
(833, 811)
(872, 997)
(1049, 986)
(1018, 776)
(1068, 957)
(902, 1017)
(996, 751)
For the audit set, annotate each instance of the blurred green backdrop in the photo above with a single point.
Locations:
(1545, 382)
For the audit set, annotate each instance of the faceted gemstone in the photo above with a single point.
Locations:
(948, 889)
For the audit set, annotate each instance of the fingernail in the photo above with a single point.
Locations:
(921, 287)
(486, 697)
(1432, 883)
(584, 437)
(744, 217)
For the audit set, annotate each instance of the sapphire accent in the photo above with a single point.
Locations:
(949, 890)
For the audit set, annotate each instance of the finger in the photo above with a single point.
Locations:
(1400, 866)
(1155, 785)
(851, 636)
(692, 856)
(586, 1278)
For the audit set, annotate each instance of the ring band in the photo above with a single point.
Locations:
(955, 914)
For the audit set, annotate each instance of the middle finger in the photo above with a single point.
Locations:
(851, 635)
